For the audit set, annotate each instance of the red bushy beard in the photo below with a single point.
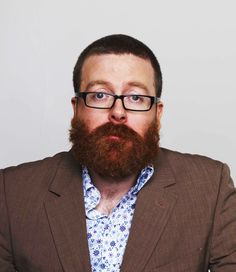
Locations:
(115, 151)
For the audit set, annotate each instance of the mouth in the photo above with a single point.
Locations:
(113, 138)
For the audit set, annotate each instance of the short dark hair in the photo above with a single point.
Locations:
(118, 44)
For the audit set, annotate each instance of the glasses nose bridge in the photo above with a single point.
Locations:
(121, 97)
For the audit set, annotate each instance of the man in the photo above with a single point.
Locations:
(117, 201)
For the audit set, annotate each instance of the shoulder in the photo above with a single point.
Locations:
(187, 158)
(30, 167)
(193, 166)
(31, 174)
(198, 177)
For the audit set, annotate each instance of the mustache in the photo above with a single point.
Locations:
(109, 129)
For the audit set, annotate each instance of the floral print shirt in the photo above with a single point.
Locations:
(108, 234)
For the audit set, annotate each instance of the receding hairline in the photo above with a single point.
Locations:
(120, 54)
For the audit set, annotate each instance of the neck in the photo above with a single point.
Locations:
(110, 188)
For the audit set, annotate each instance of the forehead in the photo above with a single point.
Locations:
(118, 70)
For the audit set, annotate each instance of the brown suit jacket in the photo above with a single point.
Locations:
(185, 218)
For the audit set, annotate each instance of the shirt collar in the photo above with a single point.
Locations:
(142, 179)
(87, 182)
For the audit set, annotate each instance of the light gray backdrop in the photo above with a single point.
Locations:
(195, 42)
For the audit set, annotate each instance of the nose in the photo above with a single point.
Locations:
(118, 114)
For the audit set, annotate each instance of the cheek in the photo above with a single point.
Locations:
(141, 124)
(93, 118)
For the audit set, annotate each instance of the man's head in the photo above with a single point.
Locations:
(116, 85)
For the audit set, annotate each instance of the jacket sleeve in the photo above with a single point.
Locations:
(6, 259)
(223, 244)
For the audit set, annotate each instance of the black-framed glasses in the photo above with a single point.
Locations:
(133, 102)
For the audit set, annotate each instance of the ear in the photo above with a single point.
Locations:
(74, 103)
(159, 111)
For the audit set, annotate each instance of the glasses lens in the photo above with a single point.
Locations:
(137, 102)
(99, 100)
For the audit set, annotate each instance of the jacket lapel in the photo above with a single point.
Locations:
(153, 208)
(66, 215)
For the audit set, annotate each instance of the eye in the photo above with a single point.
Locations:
(136, 98)
(99, 95)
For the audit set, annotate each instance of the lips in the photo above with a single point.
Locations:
(113, 138)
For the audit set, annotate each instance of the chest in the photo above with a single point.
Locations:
(108, 234)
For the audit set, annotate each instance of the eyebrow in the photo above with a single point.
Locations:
(108, 84)
(97, 82)
(138, 84)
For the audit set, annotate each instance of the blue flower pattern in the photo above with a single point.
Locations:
(108, 234)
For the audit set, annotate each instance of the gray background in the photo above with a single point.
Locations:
(195, 42)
